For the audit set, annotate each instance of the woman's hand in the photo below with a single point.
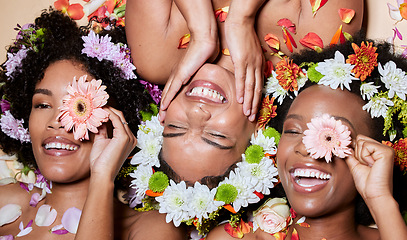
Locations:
(371, 166)
(108, 154)
(203, 45)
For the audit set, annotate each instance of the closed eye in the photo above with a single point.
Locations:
(41, 106)
(217, 135)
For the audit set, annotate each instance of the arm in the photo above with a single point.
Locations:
(246, 53)
(106, 158)
(372, 170)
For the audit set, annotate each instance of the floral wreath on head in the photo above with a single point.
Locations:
(198, 205)
(388, 102)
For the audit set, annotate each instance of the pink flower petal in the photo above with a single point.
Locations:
(7, 237)
(9, 213)
(70, 219)
(394, 12)
(45, 216)
(26, 230)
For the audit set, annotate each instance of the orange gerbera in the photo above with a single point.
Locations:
(82, 107)
(287, 74)
(364, 59)
(267, 111)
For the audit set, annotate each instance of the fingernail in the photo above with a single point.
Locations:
(247, 113)
(251, 118)
(240, 100)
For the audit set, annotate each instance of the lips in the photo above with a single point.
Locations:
(206, 91)
(308, 180)
(59, 146)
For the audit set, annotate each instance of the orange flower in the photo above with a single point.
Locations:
(267, 111)
(364, 59)
(287, 74)
(400, 147)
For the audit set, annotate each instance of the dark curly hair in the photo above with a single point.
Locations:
(385, 54)
(62, 41)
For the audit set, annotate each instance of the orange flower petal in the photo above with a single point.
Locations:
(229, 208)
(222, 13)
(245, 227)
(153, 194)
(336, 36)
(259, 194)
(346, 14)
(285, 22)
(272, 41)
(226, 52)
(403, 10)
(61, 5)
(233, 231)
(110, 4)
(313, 41)
(268, 68)
(183, 42)
(75, 11)
(295, 236)
(267, 111)
(287, 40)
(316, 5)
(279, 235)
(304, 224)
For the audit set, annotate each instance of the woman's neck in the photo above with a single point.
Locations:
(337, 226)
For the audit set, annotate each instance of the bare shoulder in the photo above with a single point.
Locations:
(14, 193)
(147, 225)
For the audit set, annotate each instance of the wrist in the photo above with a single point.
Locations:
(244, 11)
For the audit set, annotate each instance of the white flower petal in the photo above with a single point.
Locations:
(45, 216)
(9, 213)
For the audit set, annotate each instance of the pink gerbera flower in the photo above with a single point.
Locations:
(82, 107)
(326, 136)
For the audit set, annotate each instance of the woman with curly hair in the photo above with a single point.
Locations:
(55, 120)
(334, 113)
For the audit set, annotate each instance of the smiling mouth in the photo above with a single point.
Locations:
(207, 93)
(306, 177)
(60, 146)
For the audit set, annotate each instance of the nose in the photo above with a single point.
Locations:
(54, 122)
(299, 148)
(198, 114)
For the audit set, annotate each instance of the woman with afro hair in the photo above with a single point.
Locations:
(55, 84)
(342, 150)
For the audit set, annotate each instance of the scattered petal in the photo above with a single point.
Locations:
(70, 219)
(222, 13)
(7, 237)
(268, 68)
(337, 36)
(313, 41)
(26, 230)
(239, 231)
(280, 235)
(45, 216)
(403, 10)
(272, 41)
(346, 14)
(183, 42)
(226, 52)
(294, 235)
(286, 23)
(61, 5)
(394, 12)
(9, 213)
(75, 11)
(316, 5)
(397, 33)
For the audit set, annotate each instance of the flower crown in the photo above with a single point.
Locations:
(288, 78)
(253, 177)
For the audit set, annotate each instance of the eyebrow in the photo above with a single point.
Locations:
(212, 143)
(43, 91)
(298, 117)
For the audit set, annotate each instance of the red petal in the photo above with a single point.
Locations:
(336, 36)
(61, 5)
(304, 224)
(346, 14)
(295, 236)
(289, 40)
(222, 13)
(272, 41)
(313, 41)
(279, 235)
(316, 5)
(268, 68)
(245, 227)
(285, 22)
(110, 4)
(233, 231)
(260, 195)
(293, 213)
(183, 42)
(75, 11)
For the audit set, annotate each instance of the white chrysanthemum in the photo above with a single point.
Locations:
(245, 189)
(14, 60)
(368, 90)
(378, 106)
(275, 89)
(141, 177)
(174, 202)
(202, 201)
(262, 175)
(394, 79)
(154, 126)
(268, 144)
(150, 146)
(336, 72)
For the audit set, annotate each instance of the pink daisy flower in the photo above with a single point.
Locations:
(82, 107)
(326, 136)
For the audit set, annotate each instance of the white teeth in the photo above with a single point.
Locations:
(59, 145)
(210, 93)
(311, 173)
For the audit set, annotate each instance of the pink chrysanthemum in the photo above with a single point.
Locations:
(82, 107)
(326, 136)
(96, 46)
